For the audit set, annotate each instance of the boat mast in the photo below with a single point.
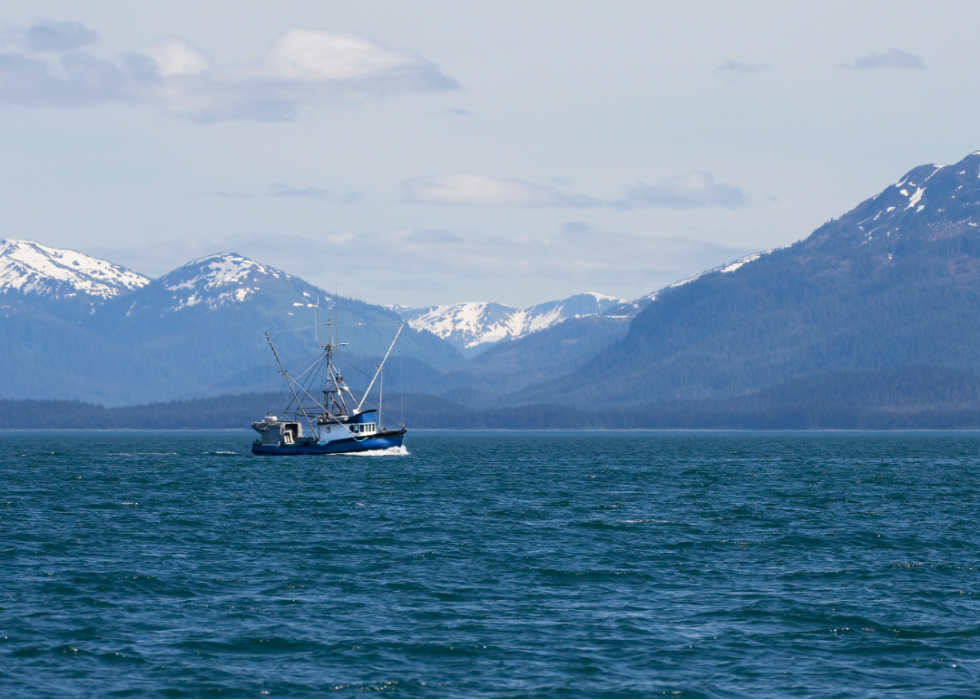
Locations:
(334, 382)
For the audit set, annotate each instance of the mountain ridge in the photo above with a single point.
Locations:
(895, 281)
(198, 329)
(473, 326)
(27, 267)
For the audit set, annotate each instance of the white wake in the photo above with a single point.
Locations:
(390, 451)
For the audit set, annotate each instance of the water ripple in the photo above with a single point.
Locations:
(491, 565)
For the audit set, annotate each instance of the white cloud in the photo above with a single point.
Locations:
(430, 261)
(313, 193)
(176, 56)
(696, 189)
(484, 190)
(421, 266)
(896, 59)
(302, 68)
(313, 57)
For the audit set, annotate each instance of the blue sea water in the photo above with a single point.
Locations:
(491, 565)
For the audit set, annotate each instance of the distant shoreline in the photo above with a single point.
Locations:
(900, 399)
(556, 430)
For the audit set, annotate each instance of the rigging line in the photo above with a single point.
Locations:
(351, 365)
(401, 371)
(308, 383)
(303, 408)
(290, 330)
(340, 394)
(368, 390)
(346, 427)
(303, 355)
(311, 379)
(299, 405)
(311, 366)
(315, 401)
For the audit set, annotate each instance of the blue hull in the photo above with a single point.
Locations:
(384, 440)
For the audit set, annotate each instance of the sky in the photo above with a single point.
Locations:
(435, 152)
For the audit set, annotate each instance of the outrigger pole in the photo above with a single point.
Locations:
(289, 383)
(380, 366)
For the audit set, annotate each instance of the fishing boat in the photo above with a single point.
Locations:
(340, 424)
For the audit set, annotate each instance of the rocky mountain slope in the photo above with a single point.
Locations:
(895, 282)
(65, 283)
(32, 268)
(198, 330)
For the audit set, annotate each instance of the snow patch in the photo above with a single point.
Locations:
(216, 271)
(739, 263)
(29, 267)
(602, 297)
(483, 322)
(682, 282)
(208, 278)
(915, 197)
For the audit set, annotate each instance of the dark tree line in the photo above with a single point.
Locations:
(900, 398)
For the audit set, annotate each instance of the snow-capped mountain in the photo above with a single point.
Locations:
(212, 290)
(32, 268)
(221, 279)
(472, 327)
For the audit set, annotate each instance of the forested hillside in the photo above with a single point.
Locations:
(903, 398)
(895, 282)
(197, 331)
